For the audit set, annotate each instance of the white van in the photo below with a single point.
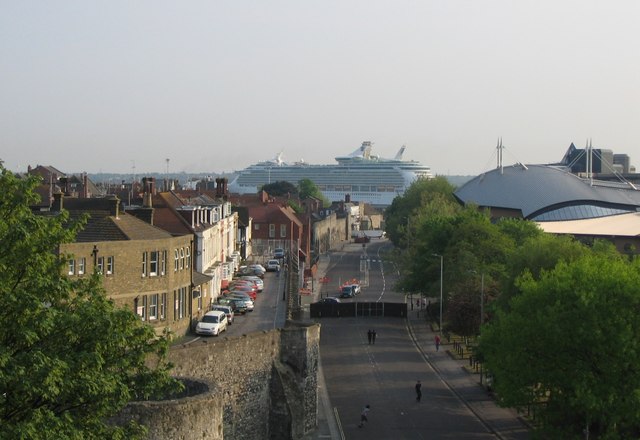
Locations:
(213, 323)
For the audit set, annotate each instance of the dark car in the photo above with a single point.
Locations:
(237, 305)
(329, 300)
(278, 253)
(347, 292)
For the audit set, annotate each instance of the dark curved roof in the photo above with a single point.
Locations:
(535, 189)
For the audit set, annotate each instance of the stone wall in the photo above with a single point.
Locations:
(264, 387)
(328, 233)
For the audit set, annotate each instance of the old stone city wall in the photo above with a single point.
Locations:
(261, 386)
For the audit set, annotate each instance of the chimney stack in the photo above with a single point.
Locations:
(85, 186)
(57, 202)
(149, 189)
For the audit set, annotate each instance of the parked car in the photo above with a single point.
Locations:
(250, 293)
(246, 300)
(228, 310)
(213, 323)
(238, 304)
(257, 266)
(255, 271)
(278, 253)
(329, 300)
(259, 282)
(243, 285)
(273, 266)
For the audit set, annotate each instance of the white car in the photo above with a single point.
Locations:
(213, 323)
(273, 266)
(259, 282)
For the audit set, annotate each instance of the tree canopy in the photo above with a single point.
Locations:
(570, 345)
(69, 359)
(281, 188)
(560, 331)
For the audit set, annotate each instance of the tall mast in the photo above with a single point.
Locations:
(499, 149)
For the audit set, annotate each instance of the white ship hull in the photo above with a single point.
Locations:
(363, 177)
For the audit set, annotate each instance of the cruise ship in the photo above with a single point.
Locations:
(363, 176)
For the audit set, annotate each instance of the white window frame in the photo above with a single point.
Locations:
(153, 263)
(144, 264)
(176, 261)
(283, 231)
(188, 258)
(100, 265)
(82, 264)
(71, 268)
(111, 265)
(272, 230)
(153, 307)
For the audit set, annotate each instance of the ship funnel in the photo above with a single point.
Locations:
(400, 153)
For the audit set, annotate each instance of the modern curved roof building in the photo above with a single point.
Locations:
(546, 193)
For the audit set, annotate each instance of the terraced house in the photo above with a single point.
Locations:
(143, 267)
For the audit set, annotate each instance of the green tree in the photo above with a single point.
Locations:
(424, 198)
(306, 188)
(69, 359)
(281, 188)
(569, 344)
(537, 254)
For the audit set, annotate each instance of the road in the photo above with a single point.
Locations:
(383, 374)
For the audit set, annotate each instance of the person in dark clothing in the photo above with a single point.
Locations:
(373, 336)
(369, 336)
(418, 391)
(364, 416)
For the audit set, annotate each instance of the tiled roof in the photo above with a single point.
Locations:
(101, 226)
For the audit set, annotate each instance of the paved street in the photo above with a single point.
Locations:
(383, 375)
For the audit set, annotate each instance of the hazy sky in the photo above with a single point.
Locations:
(217, 85)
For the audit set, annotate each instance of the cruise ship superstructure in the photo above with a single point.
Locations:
(364, 176)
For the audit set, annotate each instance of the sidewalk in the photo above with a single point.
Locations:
(505, 423)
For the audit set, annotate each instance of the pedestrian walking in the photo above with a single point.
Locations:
(373, 336)
(418, 391)
(364, 416)
(437, 342)
(369, 336)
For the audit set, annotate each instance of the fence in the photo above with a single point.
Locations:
(358, 309)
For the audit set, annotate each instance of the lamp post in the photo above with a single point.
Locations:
(481, 299)
(441, 271)
(481, 296)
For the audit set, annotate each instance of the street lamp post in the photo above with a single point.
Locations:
(441, 272)
(481, 299)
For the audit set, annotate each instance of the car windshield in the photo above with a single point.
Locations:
(211, 319)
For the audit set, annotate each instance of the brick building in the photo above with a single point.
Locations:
(144, 268)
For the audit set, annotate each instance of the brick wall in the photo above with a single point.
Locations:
(127, 287)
